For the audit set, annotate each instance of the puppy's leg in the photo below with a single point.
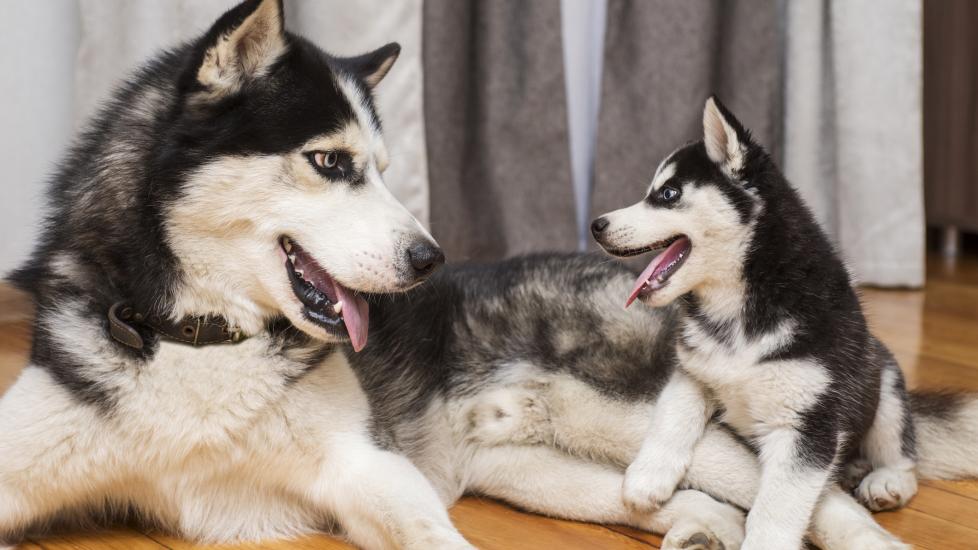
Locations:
(547, 481)
(382, 500)
(889, 447)
(680, 417)
(794, 473)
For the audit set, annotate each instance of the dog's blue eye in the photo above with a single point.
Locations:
(669, 194)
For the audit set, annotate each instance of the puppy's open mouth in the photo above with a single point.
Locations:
(663, 265)
(327, 303)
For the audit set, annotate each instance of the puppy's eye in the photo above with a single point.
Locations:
(326, 159)
(669, 193)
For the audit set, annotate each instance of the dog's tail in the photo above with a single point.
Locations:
(947, 434)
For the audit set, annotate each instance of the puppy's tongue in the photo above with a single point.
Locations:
(657, 266)
(356, 315)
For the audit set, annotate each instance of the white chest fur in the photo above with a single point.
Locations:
(757, 395)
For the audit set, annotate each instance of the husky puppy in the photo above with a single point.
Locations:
(771, 333)
(219, 241)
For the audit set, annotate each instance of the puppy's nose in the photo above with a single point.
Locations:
(424, 258)
(599, 225)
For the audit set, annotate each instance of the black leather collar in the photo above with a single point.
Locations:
(191, 330)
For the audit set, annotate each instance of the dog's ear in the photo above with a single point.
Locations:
(725, 138)
(373, 67)
(242, 45)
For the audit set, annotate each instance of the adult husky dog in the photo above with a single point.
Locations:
(771, 331)
(202, 289)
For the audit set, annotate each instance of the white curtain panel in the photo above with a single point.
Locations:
(118, 35)
(852, 129)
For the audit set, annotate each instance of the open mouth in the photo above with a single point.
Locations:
(327, 303)
(662, 267)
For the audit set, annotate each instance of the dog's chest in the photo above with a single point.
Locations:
(757, 395)
(207, 394)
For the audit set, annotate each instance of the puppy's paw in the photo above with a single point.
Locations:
(648, 485)
(512, 414)
(887, 488)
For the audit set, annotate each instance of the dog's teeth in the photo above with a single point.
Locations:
(338, 308)
(292, 258)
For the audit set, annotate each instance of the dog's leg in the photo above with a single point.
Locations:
(381, 499)
(548, 481)
(46, 458)
(889, 447)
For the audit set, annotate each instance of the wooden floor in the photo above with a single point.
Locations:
(934, 333)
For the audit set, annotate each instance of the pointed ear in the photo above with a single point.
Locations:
(373, 67)
(242, 45)
(725, 138)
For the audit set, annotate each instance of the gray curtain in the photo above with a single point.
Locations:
(496, 127)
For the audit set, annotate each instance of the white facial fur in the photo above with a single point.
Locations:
(719, 239)
(225, 231)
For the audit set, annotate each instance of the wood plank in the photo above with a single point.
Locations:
(946, 505)
(310, 542)
(927, 532)
(490, 525)
(111, 539)
(966, 487)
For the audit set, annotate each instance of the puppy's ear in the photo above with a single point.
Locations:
(373, 67)
(242, 45)
(725, 138)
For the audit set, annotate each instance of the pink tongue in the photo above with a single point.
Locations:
(663, 259)
(356, 315)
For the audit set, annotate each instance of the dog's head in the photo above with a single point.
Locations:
(282, 207)
(697, 215)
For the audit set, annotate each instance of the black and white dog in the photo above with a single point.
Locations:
(203, 283)
(771, 333)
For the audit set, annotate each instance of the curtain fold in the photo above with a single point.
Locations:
(853, 130)
(496, 127)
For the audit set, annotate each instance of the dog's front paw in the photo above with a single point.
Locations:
(647, 486)
(887, 488)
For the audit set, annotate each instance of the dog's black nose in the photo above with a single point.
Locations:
(424, 258)
(599, 225)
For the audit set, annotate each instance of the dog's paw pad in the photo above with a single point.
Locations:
(887, 488)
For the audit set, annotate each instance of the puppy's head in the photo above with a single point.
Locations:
(697, 214)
